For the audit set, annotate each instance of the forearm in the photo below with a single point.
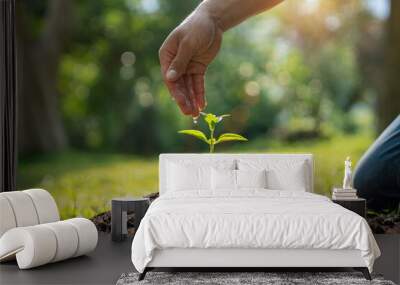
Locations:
(229, 13)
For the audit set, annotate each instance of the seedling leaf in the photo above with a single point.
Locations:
(198, 134)
(230, 137)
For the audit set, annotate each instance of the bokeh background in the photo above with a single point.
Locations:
(308, 76)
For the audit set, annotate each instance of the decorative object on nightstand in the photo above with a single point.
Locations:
(357, 205)
(347, 196)
(344, 194)
(347, 192)
(348, 175)
(124, 209)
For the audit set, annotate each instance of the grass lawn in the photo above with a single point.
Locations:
(84, 183)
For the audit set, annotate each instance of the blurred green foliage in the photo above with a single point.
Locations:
(83, 183)
(283, 73)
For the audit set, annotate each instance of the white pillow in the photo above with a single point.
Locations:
(223, 179)
(227, 179)
(290, 175)
(188, 177)
(291, 180)
(251, 178)
(194, 174)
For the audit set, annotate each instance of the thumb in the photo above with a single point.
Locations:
(180, 62)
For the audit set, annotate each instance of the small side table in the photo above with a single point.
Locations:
(120, 207)
(358, 206)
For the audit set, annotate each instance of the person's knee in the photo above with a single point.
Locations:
(366, 178)
(373, 180)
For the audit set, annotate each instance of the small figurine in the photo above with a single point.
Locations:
(348, 176)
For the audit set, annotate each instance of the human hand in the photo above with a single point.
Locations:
(184, 57)
(189, 49)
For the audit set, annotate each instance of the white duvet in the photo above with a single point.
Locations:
(250, 219)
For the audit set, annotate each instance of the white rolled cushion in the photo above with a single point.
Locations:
(7, 218)
(251, 179)
(37, 245)
(87, 235)
(23, 208)
(223, 179)
(66, 238)
(33, 246)
(46, 207)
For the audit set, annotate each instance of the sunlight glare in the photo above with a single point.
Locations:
(308, 7)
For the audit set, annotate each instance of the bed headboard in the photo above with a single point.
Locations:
(171, 157)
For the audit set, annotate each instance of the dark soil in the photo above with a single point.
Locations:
(384, 224)
(103, 222)
(152, 196)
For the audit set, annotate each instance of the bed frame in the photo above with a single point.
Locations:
(246, 258)
(243, 259)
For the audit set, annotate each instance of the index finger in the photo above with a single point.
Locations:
(177, 89)
(167, 53)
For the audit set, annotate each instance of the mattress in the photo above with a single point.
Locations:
(250, 219)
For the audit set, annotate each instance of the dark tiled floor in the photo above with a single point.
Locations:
(111, 259)
(102, 266)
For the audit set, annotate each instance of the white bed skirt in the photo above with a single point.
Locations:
(192, 257)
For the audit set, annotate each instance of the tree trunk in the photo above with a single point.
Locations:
(40, 127)
(388, 107)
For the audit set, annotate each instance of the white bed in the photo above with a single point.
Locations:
(279, 224)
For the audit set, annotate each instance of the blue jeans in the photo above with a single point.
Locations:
(377, 176)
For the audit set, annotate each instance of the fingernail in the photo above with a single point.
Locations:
(171, 74)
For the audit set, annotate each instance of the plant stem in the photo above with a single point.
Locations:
(211, 140)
